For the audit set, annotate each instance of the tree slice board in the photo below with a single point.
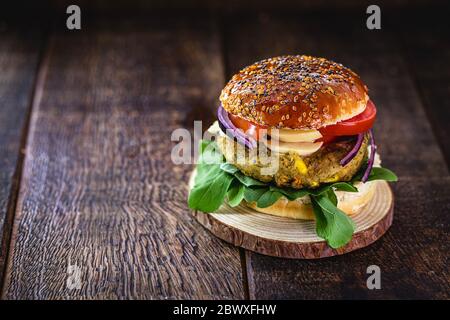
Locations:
(292, 238)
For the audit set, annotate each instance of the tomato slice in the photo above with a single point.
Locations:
(359, 123)
(353, 126)
(250, 128)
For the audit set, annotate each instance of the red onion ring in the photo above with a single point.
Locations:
(232, 131)
(354, 150)
(373, 149)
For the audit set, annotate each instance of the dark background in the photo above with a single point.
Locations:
(85, 124)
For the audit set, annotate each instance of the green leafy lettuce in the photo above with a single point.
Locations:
(217, 180)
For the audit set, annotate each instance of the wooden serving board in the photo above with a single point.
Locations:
(297, 239)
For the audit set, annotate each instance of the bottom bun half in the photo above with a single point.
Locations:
(349, 202)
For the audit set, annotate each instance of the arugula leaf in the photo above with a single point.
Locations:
(378, 173)
(331, 223)
(209, 191)
(268, 198)
(248, 181)
(209, 153)
(332, 197)
(253, 194)
(265, 197)
(245, 180)
(342, 186)
(205, 172)
(290, 193)
(235, 193)
(228, 167)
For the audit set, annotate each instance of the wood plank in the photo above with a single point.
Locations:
(412, 254)
(19, 56)
(99, 188)
(427, 48)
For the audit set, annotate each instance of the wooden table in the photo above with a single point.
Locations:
(87, 180)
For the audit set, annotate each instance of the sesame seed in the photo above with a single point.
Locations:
(270, 85)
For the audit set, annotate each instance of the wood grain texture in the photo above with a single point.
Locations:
(297, 239)
(19, 55)
(99, 189)
(412, 254)
(427, 50)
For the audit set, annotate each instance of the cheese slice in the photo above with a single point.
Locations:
(292, 135)
(302, 148)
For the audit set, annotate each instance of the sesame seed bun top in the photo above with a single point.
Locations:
(297, 92)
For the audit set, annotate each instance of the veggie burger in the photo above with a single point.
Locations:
(313, 118)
